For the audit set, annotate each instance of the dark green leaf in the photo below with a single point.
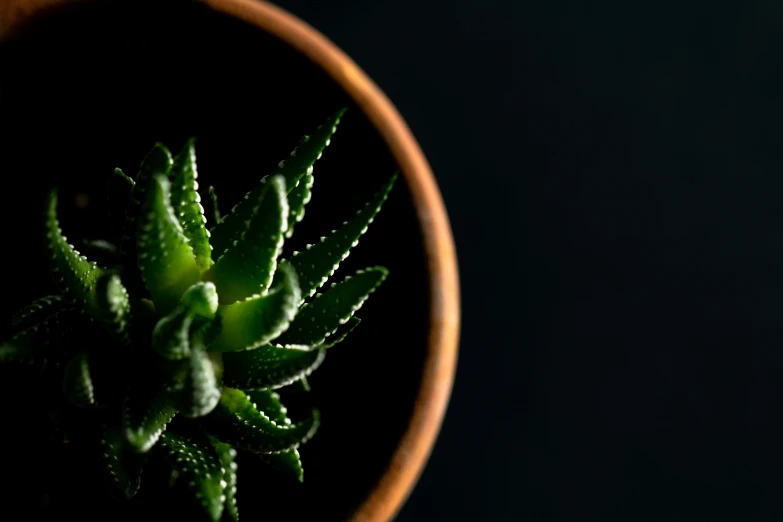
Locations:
(157, 163)
(171, 336)
(342, 332)
(37, 311)
(316, 264)
(47, 340)
(103, 252)
(323, 316)
(75, 276)
(269, 366)
(248, 324)
(227, 456)
(299, 163)
(187, 204)
(200, 468)
(114, 305)
(77, 383)
(145, 414)
(122, 469)
(166, 259)
(200, 392)
(236, 422)
(120, 189)
(245, 268)
(288, 462)
(215, 207)
(298, 197)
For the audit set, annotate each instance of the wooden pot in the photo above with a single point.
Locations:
(430, 382)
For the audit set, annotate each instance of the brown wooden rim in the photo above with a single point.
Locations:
(440, 365)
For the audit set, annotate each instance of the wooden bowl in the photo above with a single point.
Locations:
(439, 362)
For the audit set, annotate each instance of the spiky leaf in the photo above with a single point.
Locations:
(246, 268)
(298, 197)
(342, 332)
(270, 366)
(248, 324)
(199, 393)
(120, 188)
(200, 468)
(238, 423)
(166, 259)
(316, 264)
(227, 456)
(156, 163)
(289, 461)
(171, 336)
(145, 415)
(323, 316)
(299, 162)
(77, 382)
(73, 273)
(47, 340)
(101, 252)
(215, 207)
(114, 303)
(37, 311)
(187, 204)
(122, 469)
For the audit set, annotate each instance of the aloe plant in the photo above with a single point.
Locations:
(179, 341)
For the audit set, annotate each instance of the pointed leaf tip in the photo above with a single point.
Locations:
(247, 266)
(74, 274)
(298, 163)
(186, 202)
(321, 318)
(316, 264)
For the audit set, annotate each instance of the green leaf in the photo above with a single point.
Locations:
(316, 264)
(245, 268)
(227, 456)
(77, 383)
(215, 207)
(246, 325)
(75, 276)
(114, 304)
(200, 468)
(37, 311)
(157, 163)
(122, 469)
(187, 204)
(299, 163)
(342, 332)
(289, 461)
(323, 316)
(270, 366)
(237, 422)
(199, 393)
(103, 252)
(171, 336)
(166, 259)
(298, 197)
(47, 340)
(145, 415)
(120, 188)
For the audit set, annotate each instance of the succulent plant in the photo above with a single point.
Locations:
(179, 341)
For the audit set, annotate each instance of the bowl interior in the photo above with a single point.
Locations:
(90, 88)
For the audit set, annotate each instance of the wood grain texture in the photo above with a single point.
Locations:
(440, 365)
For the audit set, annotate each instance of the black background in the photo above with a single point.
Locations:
(612, 171)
